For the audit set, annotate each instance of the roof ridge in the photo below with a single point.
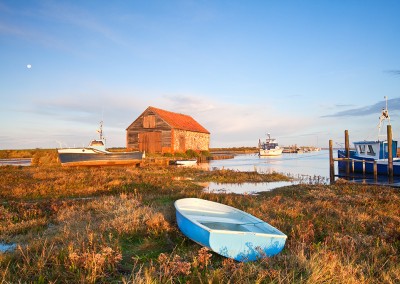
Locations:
(179, 120)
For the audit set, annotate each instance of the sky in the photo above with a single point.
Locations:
(304, 71)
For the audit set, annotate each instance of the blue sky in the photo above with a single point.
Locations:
(303, 71)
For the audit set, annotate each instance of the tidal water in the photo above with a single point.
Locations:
(16, 162)
(7, 247)
(311, 164)
(311, 167)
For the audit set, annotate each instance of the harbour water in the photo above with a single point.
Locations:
(311, 164)
(312, 167)
(16, 162)
(7, 247)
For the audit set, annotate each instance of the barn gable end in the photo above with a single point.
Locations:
(161, 131)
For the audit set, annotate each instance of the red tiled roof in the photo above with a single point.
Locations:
(179, 121)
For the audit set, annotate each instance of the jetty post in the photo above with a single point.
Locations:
(390, 152)
(347, 151)
(331, 163)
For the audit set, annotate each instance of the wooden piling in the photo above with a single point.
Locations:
(363, 167)
(390, 152)
(375, 171)
(347, 151)
(331, 163)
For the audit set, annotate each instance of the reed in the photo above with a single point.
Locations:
(117, 224)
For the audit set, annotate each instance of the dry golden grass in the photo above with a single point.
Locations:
(109, 225)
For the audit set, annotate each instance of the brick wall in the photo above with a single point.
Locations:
(191, 140)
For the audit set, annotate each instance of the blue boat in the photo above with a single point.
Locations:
(227, 231)
(367, 153)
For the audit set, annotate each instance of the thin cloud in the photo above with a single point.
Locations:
(343, 105)
(80, 18)
(52, 14)
(394, 72)
(394, 104)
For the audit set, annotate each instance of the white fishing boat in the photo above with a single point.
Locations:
(269, 147)
(227, 231)
(96, 154)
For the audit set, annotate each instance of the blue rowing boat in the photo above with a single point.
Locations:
(227, 231)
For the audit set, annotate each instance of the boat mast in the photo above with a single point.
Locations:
(100, 130)
(384, 116)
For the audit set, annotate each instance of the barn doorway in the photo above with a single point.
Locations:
(150, 142)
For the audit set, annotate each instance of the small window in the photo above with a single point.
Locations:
(149, 121)
(370, 150)
(361, 149)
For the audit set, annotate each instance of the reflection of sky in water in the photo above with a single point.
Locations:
(244, 188)
(310, 164)
(7, 247)
(15, 162)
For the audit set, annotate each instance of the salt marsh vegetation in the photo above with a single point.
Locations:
(117, 225)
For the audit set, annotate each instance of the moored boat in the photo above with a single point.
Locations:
(227, 231)
(191, 162)
(269, 147)
(367, 154)
(96, 154)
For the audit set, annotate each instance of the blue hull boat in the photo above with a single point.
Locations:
(368, 154)
(227, 231)
(365, 165)
(96, 155)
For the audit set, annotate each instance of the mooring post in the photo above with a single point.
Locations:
(347, 151)
(375, 170)
(331, 163)
(390, 152)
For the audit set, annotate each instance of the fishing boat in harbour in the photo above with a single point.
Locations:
(96, 154)
(227, 231)
(368, 154)
(269, 147)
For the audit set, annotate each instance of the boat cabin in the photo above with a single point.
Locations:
(268, 145)
(374, 150)
(97, 145)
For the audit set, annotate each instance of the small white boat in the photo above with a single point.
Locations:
(186, 162)
(227, 231)
(95, 154)
(270, 147)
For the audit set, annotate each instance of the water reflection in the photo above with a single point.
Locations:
(7, 247)
(370, 179)
(244, 188)
(16, 162)
(307, 164)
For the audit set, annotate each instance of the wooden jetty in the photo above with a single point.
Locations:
(350, 162)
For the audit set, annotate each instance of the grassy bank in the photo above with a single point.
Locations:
(117, 225)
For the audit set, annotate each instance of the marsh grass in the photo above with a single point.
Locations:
(113, 225)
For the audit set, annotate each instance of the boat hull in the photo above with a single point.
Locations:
(186, 162)
(227, 231)
(99, 159)
(271, 152)
(366, 166)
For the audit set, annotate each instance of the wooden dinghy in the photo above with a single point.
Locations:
(227, 231)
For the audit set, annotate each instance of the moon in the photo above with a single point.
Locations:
(29, 66)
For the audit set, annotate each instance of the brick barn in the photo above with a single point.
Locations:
(161, 131)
